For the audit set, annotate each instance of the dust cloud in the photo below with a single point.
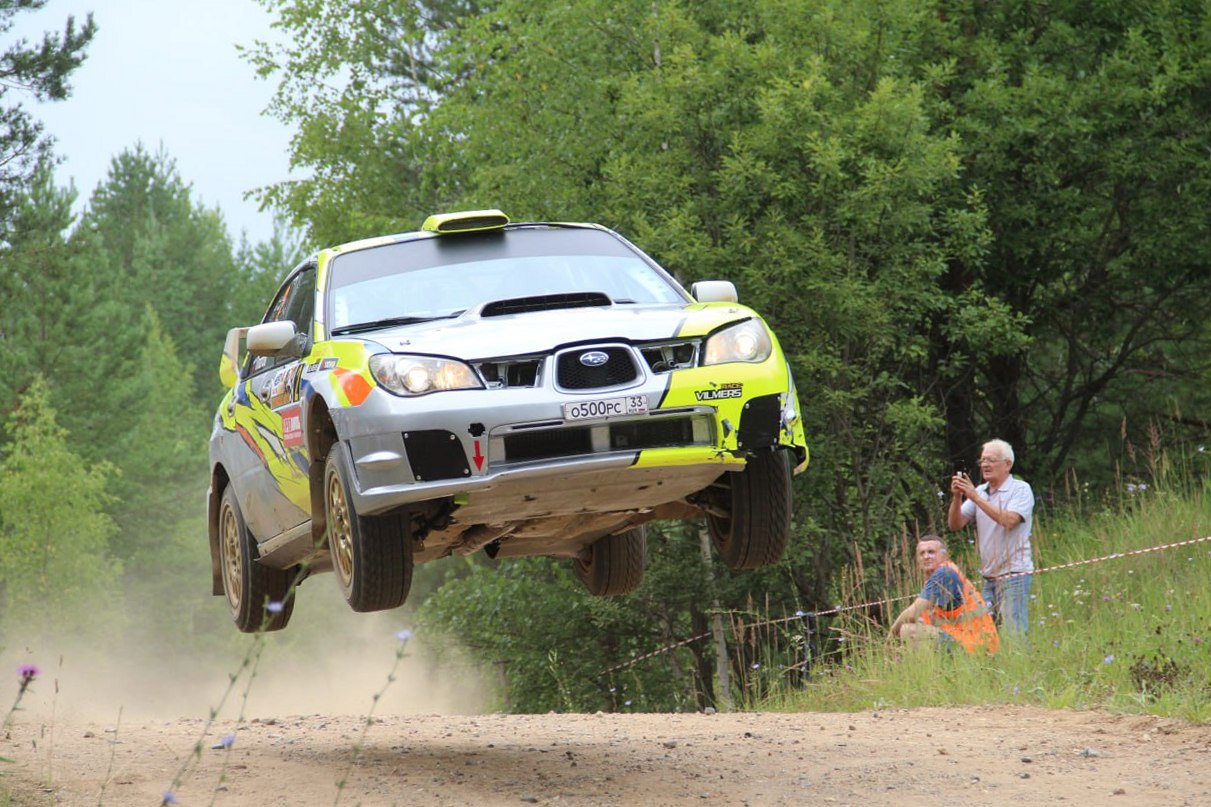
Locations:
(329, 660)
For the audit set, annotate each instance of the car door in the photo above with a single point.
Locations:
(275, 494)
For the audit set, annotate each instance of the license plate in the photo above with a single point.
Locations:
(606, 407)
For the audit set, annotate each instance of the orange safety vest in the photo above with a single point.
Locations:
(970, 624)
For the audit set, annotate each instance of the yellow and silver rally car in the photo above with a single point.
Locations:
(520, 389)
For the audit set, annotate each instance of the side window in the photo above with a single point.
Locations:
(295, 302)
(300, 307)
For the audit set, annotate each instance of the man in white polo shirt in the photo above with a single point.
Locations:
(1002, 508)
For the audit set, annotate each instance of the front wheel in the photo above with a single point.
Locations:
(614, 564)
(260, 597)
(371, 555)
(750, 514)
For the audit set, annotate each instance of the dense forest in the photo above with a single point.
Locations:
(964, 220)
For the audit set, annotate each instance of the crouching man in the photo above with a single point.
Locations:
(949, 610)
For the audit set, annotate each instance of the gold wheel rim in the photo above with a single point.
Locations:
(233, 566)
(340, 532)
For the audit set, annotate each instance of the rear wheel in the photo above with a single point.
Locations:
(750, 516)
(371, 555)
(614, 564)
(260, 597)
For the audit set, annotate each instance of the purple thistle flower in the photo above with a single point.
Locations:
(404, 635)
(26, 673)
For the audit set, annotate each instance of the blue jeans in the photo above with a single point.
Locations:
(1008, 598)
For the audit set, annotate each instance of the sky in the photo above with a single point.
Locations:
(166, 73)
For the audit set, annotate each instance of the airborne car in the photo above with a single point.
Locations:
(480, 385)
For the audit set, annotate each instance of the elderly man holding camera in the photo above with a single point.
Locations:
(1001, 507)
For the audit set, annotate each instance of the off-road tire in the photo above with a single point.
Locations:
(757, 500)
(371, 555)
(249, 585)
(614, 564)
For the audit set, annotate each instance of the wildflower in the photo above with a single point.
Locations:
(941, 494)
(1055, 643)
(756, 666)
(1135, 606)
(404, 635)
(1197, 639)
(225, 741)
(274, 606)
(1105, 598)
(27, 673)
(1202, 449)
(626, 703)
(1109, 659)
(169, 798)
(1016, 691)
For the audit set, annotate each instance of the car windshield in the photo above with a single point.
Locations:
(440, 277)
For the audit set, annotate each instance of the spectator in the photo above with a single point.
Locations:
(1002, 508)
(948, 610)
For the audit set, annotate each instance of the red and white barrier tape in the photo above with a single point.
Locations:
(866, 605)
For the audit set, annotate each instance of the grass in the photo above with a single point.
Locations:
(1129, 633)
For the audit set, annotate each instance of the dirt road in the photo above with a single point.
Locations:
(971, 756)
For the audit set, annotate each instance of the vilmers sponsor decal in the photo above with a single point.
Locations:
(735, 390)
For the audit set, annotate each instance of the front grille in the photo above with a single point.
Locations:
(655, 433)
(546, 444)
(634, 435)
(618, 368)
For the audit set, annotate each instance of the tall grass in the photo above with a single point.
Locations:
(1125, 634)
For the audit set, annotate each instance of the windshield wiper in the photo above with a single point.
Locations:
(389, 322)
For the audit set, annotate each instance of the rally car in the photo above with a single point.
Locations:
(481, 385)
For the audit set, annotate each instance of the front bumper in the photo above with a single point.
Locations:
(481, 442)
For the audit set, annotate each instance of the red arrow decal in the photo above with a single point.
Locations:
(479, 458)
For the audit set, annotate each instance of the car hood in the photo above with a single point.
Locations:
(474, 337)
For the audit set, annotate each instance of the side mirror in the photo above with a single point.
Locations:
(273, 339)
(714, 291)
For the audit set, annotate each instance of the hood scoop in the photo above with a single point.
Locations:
(546, 302)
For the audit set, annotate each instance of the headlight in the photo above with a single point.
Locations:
(748, 341)
(418, 375)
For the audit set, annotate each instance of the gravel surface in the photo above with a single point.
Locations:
(995, 755)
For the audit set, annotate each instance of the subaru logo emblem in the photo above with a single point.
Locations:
(594, 358)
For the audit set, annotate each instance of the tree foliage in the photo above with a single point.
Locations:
(963, 221)
(40, 71)
(55, 564)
